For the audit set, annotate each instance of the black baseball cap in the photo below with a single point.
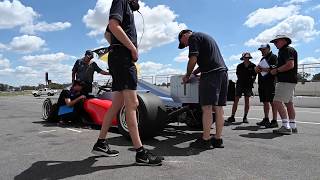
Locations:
(264, 46)
(89, 53)
(181, 46)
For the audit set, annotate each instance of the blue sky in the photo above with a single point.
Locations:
(48, 36)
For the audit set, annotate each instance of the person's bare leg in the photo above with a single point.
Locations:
(206, 121)
(266, 109)
(246, 105)
(117, 103)
(280, 108)
(274, 111)
(131, 103)
(291, 111)
(219, 114)
(235, 105)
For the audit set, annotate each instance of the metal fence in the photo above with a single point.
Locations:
(306, 71)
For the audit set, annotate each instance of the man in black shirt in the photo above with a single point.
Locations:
(121, 34)
(266, 82)
(83, 70)
(286, 72)
(246, 76)
(204, 51)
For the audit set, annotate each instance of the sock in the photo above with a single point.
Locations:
(292, 124)
(140, 149)
(232, 115)
(285, 123)
(245, 116)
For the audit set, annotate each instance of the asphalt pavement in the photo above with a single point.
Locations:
(32, 149)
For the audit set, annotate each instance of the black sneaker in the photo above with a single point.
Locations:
(283, 130)
(272, 124)
(231, 119)
(264, 122)
(201, 144)
(145, 157)
(217, 143)
(103, 149)
(245, 120)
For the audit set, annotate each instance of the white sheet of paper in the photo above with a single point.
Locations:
(264, 64)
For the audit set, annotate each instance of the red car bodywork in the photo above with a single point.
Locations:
(97, 109)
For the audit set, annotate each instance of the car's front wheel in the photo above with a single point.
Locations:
(49, 110)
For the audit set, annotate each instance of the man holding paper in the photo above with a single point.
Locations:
(266, 82)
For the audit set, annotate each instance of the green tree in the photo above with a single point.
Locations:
(316, 77)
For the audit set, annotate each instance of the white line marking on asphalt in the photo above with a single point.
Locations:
(70, 129)
(301, 122)
(47, 131)
(253, 109)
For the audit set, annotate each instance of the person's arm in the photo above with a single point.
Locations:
(107, 35)
(74, 70)
(191, 64)
(99, 70)
(71, 103)
(288, 65)
(104, 72)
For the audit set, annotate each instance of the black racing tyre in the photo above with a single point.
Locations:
(151, 116)
(35, 95)
(49, 110)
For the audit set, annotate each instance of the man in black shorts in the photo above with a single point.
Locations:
(123, 40)
(204, 51)
(246, 77)
(267, 82)
(83, 70)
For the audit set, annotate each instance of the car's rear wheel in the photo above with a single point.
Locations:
(151, 117)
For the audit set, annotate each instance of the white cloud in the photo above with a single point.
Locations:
(4, 62)
(271, 15)
(183, 56)
(309, 60)
(161, 26)
(151, 68)
(44, 27)
(298, 27)
(26, 44)
(295, 2)
(2, 46)
(315, 8)
(46, 59)
(15, 14)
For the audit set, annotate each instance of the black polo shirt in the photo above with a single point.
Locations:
(286, 54)
(85, 71)
(269, 78)
(120, 10)
(246, 75)
(207, 52)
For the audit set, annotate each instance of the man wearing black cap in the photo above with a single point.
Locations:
(83, 70)
(124, 53)
(286, 72)
(267, 82)
(204, 51)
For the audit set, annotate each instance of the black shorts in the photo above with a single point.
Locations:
(213, 88)
(122, 69)
(266, 92)
(246, 91)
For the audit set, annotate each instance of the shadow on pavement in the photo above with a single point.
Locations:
(167, 143)
(248, 128)
(64, 169)
(268, 135)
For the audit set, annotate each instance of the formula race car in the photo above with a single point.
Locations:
(157, 107)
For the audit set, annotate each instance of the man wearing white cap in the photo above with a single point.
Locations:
(286, 73)
(266, 82)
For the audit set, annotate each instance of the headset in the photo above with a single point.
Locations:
(134, 6)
